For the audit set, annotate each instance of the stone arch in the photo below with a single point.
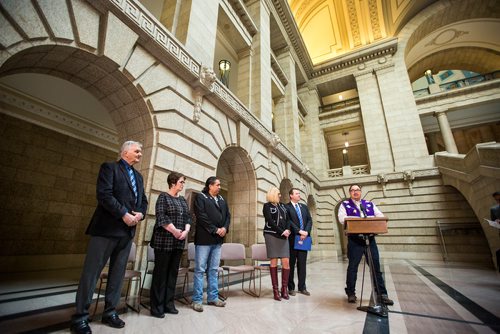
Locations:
(112, 87)
(239, 188)
(311, 204)
(427, 40)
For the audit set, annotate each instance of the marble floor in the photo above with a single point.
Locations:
(429, 296)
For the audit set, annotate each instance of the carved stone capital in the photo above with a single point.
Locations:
(305, 169)
(382, 178)
(409, 176)
(275, 140)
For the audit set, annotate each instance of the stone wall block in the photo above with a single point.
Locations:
(87, 23)
(25, 15)
(57, 15)
(119, 40)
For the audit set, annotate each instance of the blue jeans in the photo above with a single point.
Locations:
(355, 251)
(206, 255)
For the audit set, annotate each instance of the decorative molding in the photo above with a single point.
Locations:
(32, 110)
(278, 70)
(206, 81)
(273, 143)
(409, 177)
(382, 179)
(374, 19)
(286, 17)
(242, 12)
(157, 32)
(446, 36)
(384, 49)
(353, 22)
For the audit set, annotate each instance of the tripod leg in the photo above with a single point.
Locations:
(378, 308)
(362, 281)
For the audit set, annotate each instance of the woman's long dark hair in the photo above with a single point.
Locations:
(211, 180)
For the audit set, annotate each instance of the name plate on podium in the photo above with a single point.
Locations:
(371, 225)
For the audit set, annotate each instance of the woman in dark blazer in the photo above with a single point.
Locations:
(276, 232)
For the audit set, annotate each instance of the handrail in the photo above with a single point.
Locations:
(440, 226)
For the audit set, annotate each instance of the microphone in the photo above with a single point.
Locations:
(361, 206)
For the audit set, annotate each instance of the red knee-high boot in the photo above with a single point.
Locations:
(274, 281)
(284, 283)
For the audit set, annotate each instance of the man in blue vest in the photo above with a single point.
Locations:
(357, 207)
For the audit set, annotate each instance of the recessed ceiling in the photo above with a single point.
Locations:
(331, 28)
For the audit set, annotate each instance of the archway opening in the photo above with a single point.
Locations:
(237, 176)
(58, 147)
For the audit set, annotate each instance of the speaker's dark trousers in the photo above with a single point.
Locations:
(298, 257)
(100, 249)
(164, 280)
(355, 251)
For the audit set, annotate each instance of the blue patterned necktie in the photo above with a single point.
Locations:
(132, 180)
(297, 209)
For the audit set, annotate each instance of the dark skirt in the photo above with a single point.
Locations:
(276, 247)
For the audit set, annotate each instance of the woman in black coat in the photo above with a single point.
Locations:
(276, 232)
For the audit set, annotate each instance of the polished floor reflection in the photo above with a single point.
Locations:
(429, 296)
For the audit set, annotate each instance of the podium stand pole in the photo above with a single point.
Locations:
(378, 308)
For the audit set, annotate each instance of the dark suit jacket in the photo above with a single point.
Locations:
(294, 220)
(209, 218)
(115, 197)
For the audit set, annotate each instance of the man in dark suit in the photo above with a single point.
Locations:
(301, 225)
(121, 204)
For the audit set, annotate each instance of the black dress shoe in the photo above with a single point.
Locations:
(113, 321)
(385, 300)
(291, 292)
(172, 311)
(81, 327)
(158, 315)
(351, 299)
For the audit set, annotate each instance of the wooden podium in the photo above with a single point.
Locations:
(366, 227)
(369, 225)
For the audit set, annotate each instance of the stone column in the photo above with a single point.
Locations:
(261, 95)
(444, 126)
(374, 124)
(244, 85)
(313, 144)
(286, 115)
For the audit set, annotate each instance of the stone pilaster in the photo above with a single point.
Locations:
(286, 115)
(261, 96)
(409, 149)
(244, 86)
(313, 144)
(374, 124)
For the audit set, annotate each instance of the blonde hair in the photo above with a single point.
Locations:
(273, 195)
